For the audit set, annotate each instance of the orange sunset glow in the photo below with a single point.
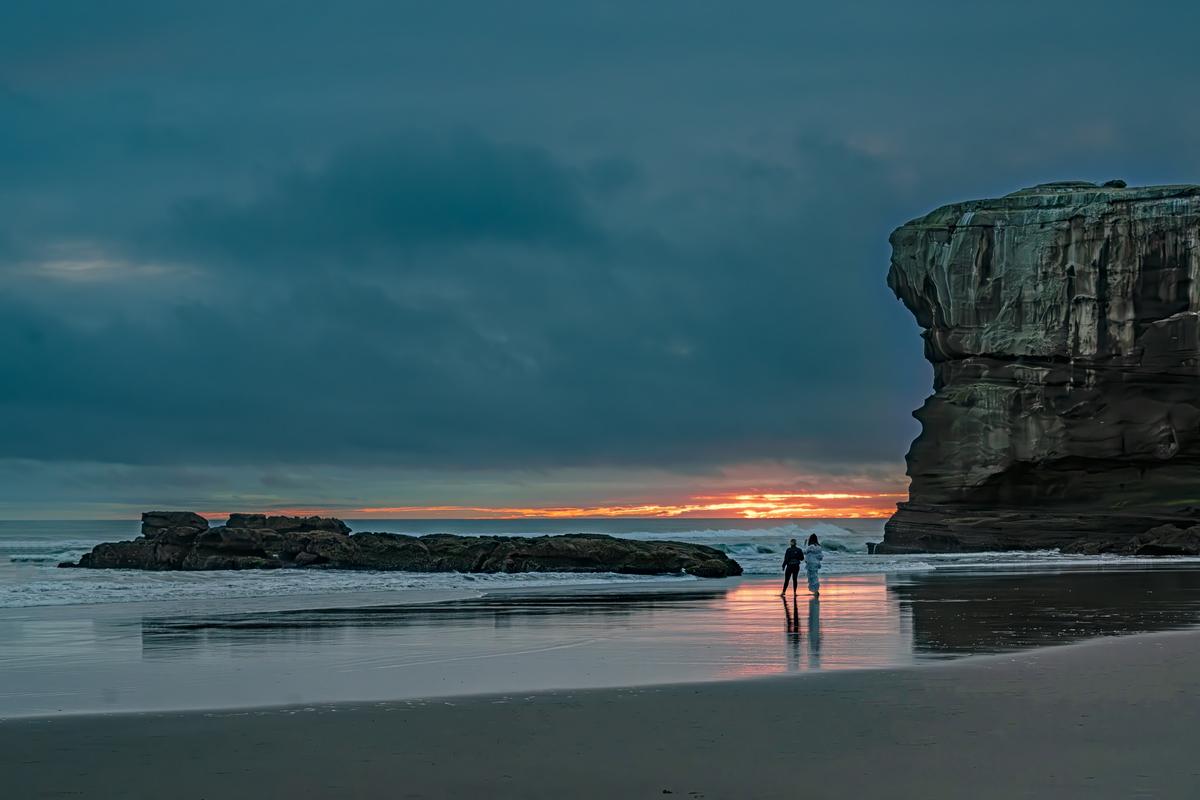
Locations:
(740, 505)
(768, 505)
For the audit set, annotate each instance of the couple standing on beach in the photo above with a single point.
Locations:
(810, 557)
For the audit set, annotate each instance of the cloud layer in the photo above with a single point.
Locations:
(462, 247)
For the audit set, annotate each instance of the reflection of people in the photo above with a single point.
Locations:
(792, 559)
(814, 632)
(793, 616)
(812, 564)
(792, 611)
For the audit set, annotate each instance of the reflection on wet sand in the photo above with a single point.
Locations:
(814, 632)
(114, 659)
(794, 638)
(859, 621)
(962, 613)
(178, 636)
(853, 625)
(795, 633)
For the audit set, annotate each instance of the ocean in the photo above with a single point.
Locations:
(31, 551)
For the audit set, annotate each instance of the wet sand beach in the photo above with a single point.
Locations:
(390, 646)
(1110, 718)
(983, 683)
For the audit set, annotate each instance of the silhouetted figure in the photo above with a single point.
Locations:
(812, 564)
(792, 558)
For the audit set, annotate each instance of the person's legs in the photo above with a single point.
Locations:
(814, 581)
(790, 574)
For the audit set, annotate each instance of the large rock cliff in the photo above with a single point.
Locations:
(1063, 326)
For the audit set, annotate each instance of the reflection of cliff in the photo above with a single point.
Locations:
(1063, 326)
(964, 614)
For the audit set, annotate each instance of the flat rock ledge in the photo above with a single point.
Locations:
(181, 540)
(921, 528)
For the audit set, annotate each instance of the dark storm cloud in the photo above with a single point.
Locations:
(472, 235)
(467, 305)
(410, 194)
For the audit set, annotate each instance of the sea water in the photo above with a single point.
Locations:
(31, 551)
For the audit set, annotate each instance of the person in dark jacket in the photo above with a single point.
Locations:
(792, 559)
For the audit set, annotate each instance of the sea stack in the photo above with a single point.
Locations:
(1063, 326)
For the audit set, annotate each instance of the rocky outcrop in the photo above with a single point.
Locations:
(286, 524)
(1063, 326)
(1164, 540)
(184, 541)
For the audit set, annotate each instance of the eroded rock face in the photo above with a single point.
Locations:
(1063, 326)
(181, 541)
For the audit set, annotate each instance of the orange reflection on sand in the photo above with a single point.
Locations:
(853, 625)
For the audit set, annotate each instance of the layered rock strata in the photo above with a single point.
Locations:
(180, 540)
(1063, 326)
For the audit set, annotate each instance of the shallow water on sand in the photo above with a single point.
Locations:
(153, 656)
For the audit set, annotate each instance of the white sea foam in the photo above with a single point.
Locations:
(72, 587)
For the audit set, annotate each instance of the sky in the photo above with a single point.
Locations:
(486, 259)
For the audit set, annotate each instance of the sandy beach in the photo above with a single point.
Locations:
(1064, 682)
(1106, 718)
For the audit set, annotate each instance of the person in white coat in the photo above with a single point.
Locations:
(812, 564)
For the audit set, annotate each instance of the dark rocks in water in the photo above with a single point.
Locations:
(298, 542)
(1167, 540)
(1164, 540)
(1063, 326)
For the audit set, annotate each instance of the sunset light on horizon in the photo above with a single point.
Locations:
(745, 505)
